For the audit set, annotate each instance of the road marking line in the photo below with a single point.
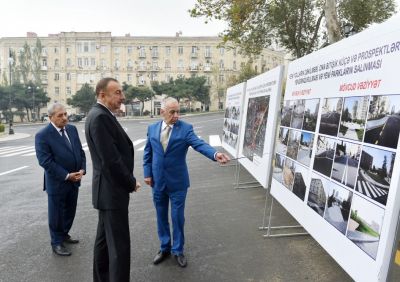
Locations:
(366, 189)
(18, 153)
(13, 170)
(372, 190)
(16, 150)
(4, 148)
(141, 149)
(137, 142)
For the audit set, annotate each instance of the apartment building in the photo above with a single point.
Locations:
(70, 59)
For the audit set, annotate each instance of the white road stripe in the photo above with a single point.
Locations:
(366, 189)
(16, 150)
(359, 188)
(141, 149)
(19, 153)
(13, 170)
(377, 190)
(215, 141)
(372, 190)
(4, 148)
(137, 142)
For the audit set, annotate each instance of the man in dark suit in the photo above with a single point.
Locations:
(112, 157)
(165, 170)
(59, 152)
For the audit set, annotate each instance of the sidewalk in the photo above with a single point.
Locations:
(15, 136)
(223, 242)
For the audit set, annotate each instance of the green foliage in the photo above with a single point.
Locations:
(84, 98)
(193, 88)
(141, 93)
(246, 72)
(294, 24)
(2, 127)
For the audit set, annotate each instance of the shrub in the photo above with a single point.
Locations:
(2, 127)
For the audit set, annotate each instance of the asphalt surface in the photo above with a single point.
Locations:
(223, 242)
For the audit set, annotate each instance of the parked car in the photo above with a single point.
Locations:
(45, 118)
(74, 118)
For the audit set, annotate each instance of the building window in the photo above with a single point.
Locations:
(129, 49)
(167, 65)
(55, 50)
(116, 64)
(167, 50)
(80, 62)
(153, 76)
(180, 65)
(116, 50)
(44, 62)
(193, 65)
(68, 91)
(207, 52)
(56, 76)
(142, 52)
(129, 77)
(154, 65)
(234, 51)
(194, 50)
(142, 65)
(103, 49)
(67, 49)
(154, 51)
(168, 77)
(68, 62)
(116, 76)
(86, 62)
(180, 50)
(234, 65)
(56, 63)
(93, 62)
(221, 64)
(68, 76)
(221, 50)
(129, 64)
(57, 91)
(221, 78)
(103, 63)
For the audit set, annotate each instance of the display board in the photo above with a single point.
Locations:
(232, 118)
(336, 164)
(260, 115)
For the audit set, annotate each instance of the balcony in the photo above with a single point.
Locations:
(193, 55)
(155, 69)
(194, 68)
(129, 68)
(207, 69)
(43, 68)
(142, 68)
(154, 54)
(207, 55)
(142, 55)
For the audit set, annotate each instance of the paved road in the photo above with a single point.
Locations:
(222, 238)
(385, 134)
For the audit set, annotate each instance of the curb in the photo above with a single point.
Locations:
(15, 136)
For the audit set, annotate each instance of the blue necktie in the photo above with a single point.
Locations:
(66, 139)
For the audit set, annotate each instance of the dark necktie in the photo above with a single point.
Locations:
(66, 139)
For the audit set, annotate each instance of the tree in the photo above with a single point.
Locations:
(141, 93)
(293, 24)
(84, 98)
(246, 72)
(36, 62)
(25, 62)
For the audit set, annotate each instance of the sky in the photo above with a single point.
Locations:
(139, 18)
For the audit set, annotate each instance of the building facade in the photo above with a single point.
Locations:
(70, 59)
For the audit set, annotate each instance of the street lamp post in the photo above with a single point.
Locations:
(10, 118)
(151, 106)
(33, 116)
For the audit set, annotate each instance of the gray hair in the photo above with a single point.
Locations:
(53, 107)
(168, 100)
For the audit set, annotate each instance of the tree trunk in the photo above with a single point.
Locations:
(332, 22)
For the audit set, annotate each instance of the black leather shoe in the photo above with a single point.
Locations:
(61, 250)
(161, 256)
(181, 260)
(69, 240)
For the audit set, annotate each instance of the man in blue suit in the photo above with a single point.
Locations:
(165, 170)
(59, 152)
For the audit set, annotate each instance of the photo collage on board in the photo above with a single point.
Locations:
(354, 155)
(231, 126)
(293, 147)
(256, 123)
